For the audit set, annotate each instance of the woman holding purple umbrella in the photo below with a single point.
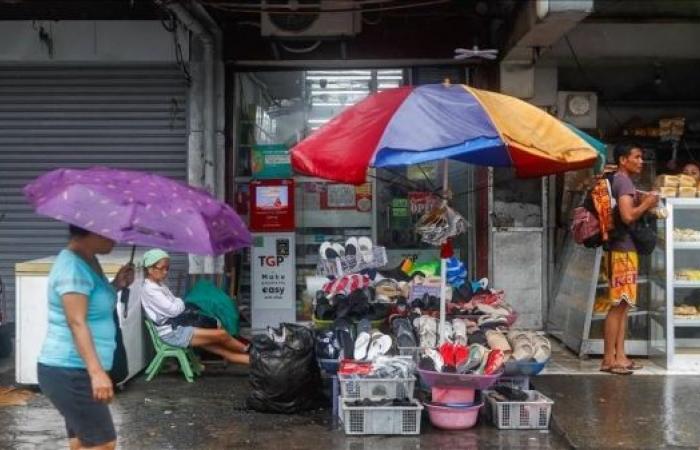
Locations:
(81, 339)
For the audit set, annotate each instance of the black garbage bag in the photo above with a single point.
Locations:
(284, 376)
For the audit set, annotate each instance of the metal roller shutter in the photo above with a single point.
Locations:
(131, 117)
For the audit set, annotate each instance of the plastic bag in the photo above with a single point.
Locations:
(284, 376)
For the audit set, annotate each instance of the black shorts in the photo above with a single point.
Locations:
(70, 391)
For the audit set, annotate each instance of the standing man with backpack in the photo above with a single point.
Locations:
(623, 259)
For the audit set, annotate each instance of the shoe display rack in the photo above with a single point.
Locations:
(675, 323)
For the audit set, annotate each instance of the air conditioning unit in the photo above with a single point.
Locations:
(580, 109)
(317, 22)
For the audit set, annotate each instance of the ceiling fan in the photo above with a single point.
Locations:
(475, 52)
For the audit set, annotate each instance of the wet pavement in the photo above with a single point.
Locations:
(591, 411)
(625, 412)
(169, 413)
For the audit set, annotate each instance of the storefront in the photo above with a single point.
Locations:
(274, 110)
(83, 103)
(641, 94)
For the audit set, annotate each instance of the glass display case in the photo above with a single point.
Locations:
(676, 279)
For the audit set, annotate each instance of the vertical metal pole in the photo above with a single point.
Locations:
(443, 261)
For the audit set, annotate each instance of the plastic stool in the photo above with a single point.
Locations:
(189, 363)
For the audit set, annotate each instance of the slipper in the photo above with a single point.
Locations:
(494, 362)
(361, 346)
(460, 331)
(634, 366)
(350, 251)
(327, 252)
(435, 356)
(449, 332)
(403, 332)
(339, 249)
(461, 354)
(364, 247)
(430, 326)
(476, 355)
(543, 349)
(616, 370)
(497, 340)
(379, 345)
(448, 354)
(351, 247)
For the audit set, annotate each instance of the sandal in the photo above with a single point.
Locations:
(616, 370)
(634, 366)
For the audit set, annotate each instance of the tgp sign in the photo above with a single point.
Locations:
(273, 278)
(271, 261)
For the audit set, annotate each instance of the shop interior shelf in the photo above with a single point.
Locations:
(602, 316)
(641, 280)
(686, 245)
(686, 322)
(686, 284)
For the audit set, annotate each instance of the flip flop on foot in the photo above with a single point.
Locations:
(616, 370)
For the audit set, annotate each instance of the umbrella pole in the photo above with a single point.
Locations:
(443, 264)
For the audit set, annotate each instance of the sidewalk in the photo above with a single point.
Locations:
(169, 413)
(625, 412)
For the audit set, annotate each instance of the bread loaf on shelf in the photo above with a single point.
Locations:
(668, 191)
(687, 181)
(667, 181)
(687, 192)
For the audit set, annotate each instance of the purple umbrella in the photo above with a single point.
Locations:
(139, 208)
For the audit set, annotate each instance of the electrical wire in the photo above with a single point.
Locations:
(263, 6)
(362, 10)
(591, 85)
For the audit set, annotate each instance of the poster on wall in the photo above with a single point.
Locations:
(273, 280)
(270, 162)
(346, 196)
(422, 202)
(272, 205)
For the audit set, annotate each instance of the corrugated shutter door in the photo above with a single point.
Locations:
(131, 117)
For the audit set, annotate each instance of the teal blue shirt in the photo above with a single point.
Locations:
(71, 274)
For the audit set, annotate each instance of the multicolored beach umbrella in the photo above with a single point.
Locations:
(416, 124)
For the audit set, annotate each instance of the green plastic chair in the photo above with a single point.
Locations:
(189, 363)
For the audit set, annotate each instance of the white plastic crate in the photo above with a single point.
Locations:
(354, 387)
(521, 382)
(382, 419)
(532, 414)
(413, 352)
(345, 265)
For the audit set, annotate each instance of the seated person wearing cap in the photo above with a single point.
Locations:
(161, 306)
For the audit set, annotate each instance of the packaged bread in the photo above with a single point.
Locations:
(685, 191)
(665, 191)
(687, 181)
(668, 181)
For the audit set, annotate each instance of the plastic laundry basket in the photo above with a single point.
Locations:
(532, 414)
(382, 419)
(356, 387)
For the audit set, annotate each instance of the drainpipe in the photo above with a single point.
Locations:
(203, 176)
(208, 107)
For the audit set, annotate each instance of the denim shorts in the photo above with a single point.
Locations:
(70, 391)
(179, 337)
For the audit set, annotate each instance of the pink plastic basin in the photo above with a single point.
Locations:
(452, 395)
(453, 418)
(472, 381)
